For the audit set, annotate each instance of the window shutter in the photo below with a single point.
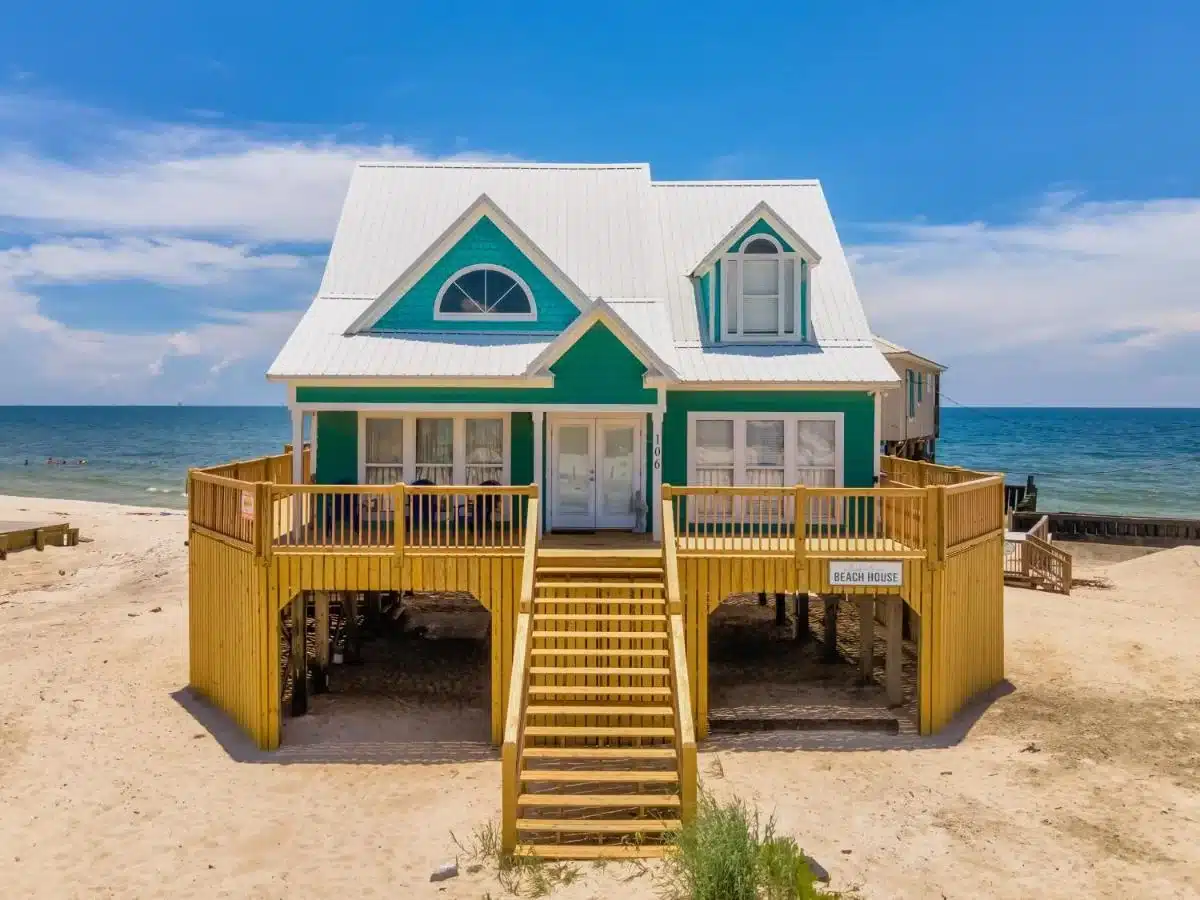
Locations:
(789, 296)
(731, 299)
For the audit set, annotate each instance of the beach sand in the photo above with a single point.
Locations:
(1080, 780)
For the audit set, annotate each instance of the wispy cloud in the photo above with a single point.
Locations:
(88, 198)
(1099, 294)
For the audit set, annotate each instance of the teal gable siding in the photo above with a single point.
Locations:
(857, 408)
(762, 226)
(485, 243)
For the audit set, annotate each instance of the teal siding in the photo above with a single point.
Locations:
(521, 448)
(858, 409)
(337, 447)
(485, 243)
(762, 226)
(718, 286)
(704, 298)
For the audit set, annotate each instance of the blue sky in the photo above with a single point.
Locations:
(1017, 185)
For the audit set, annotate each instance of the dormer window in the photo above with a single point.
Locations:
(760, 291)
(485, 293)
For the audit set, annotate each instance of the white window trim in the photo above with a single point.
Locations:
(731, 292)
(440, 316)
(410, 441)
(790, 421)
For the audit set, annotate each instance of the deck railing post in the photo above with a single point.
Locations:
(398, 519)
(800, 524)
(263, 520)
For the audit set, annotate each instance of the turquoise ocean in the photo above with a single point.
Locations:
(1120, 461)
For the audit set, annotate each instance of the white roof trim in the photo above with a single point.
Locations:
(600, 312)
(762, 210)
(484, 206)
(890, 349)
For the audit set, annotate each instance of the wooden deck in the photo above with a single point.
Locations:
(39, 535)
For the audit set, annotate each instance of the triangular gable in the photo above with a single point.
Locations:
(484, 207)
(764, 212)
(600, 312)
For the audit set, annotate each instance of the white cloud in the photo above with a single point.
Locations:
(1096, 295)
(179, 206)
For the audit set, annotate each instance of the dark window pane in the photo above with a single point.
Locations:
(760, 245)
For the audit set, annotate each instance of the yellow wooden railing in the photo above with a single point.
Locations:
(435, 518)
(912, 473)
(518, 694)
(798, 521)
(685, 730)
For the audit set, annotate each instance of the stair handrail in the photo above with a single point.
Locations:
(681, 696)
(518, 695)
(1041, 556)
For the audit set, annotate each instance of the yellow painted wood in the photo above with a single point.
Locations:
(592, 851)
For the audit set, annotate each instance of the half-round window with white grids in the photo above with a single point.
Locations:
(480, 293)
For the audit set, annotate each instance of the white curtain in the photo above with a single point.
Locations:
(385, 451)
(714, 464)
(435, 450)
(485, 450)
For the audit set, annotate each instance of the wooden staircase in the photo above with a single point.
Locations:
(601, 765)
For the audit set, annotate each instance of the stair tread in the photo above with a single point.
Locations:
(601, 601)
(584, 690)
(599, 670)
(577, 710)
(599, 651)
(591, 851)
(599, 800)
(600, 826)
(598, 753)
(631, 731)
(602, 635)
(570, 776)
(608, 585)
(601, 570)
(600, 617)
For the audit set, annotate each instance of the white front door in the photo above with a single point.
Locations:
(596, 472)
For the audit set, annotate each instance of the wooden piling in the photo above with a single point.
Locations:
(866, 639)
(299, 657)
(895, 650)
(801, 611)
(829, 652)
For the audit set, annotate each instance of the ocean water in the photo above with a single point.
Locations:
(1121, 461)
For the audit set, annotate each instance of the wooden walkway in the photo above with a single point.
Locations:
(22, 535)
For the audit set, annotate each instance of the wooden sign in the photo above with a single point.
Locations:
(248, 504)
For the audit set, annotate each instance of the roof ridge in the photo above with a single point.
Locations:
(484, 164)
(744, 182)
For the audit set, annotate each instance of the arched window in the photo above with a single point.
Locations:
(760, 290)
(484, 293)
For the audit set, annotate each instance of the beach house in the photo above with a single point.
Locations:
(588, 330)
(912, 416)
(598, 406)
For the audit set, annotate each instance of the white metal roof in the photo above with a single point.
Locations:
(614, 233)
(890, 348)
(319, 348)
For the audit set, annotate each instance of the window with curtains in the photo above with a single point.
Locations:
(385, 451)
(761, 286)
(753, 450)
(435, 451)
(485, 451)
(445, 450)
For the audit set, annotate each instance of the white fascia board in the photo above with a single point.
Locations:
(295, 381)
(798, 386)
(762, 210)
(484, 206)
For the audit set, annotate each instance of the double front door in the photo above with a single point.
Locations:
(596, 472)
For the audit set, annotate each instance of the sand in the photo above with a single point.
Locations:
(1079, 779)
